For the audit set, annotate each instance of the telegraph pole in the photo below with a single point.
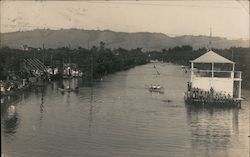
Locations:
(51, 59)
(232, 57)
(92, 64)
(43, 55)
(210, 40)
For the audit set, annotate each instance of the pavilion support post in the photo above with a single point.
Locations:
(232, 73)
(212, 69)
(192, 71)
(239, 96)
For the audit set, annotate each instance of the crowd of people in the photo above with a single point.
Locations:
(8, 86)
(196, 93)
(20, 81)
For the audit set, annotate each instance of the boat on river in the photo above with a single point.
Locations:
(156, 88)
(68, 90)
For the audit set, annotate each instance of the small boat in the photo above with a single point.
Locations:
(63, 90)
(68, 89)
(156, 88)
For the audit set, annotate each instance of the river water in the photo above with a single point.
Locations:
(119, 117)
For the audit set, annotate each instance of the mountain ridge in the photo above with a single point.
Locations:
(87, 38)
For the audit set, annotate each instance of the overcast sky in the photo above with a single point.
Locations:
(227, 18)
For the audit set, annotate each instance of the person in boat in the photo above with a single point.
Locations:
(189, 86)
(62, 86)
(154, 86)
(158, 87)
(77, 88)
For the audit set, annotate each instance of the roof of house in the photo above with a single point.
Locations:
(211, 57)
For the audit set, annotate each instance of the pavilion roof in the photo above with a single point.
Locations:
(211, 57)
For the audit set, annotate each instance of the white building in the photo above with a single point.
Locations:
(214, 71)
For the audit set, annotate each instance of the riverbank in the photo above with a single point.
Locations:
(20, 69)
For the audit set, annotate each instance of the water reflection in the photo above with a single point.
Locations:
(42, 106)
(6, 101)
(90, 110)
(11, 120)
(68, 98)
(12, 99)
(212, 129)
(235, 121)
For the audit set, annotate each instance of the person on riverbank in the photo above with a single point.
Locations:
(189, 86)
(2, 89)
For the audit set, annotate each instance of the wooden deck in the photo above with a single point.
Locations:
(213, 102)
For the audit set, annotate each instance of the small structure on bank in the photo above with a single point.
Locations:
(71, 70)
(214, 81)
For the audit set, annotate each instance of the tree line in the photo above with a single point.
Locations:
(101, 60)
(96, 61)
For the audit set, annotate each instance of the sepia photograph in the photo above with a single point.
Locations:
(125, 78)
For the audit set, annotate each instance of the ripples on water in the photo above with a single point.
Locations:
(119, 117)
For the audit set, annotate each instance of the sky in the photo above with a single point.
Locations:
(228, 18)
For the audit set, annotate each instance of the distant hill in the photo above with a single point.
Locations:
(87, 38)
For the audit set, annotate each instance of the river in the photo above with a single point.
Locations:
(119, 117)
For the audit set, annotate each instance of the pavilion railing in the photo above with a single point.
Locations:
(237, 74)
(202, 73)
(218, 74)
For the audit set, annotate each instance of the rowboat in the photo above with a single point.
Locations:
(156, 88)
(68, 90)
